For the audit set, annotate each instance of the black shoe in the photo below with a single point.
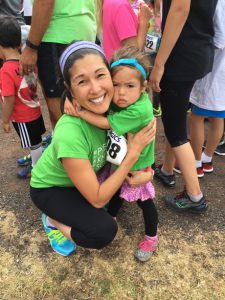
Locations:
(167, 180)
(182, 202)
(220, 149)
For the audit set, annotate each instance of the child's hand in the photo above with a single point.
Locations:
(145, 14)
(69, 109)
(7, 127)
(137, 178)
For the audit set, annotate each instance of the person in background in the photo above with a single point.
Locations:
(185, 54)
(55, 24)
(20, 101)
(120, 25)
(208, 101)
(27, 11)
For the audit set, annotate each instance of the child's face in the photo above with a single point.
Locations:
(91, 84)
(127, 86)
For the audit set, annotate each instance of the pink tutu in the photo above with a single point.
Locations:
(143, 192)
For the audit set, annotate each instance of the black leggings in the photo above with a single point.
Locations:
(174, 100)
(148, 209)
(90, 227)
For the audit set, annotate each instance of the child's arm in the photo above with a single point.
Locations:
(8, 105)
(144, 17)
(94, 119)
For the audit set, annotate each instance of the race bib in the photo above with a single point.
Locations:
(116, 148)
(152, 43)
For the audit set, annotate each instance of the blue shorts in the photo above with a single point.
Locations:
(207, 113)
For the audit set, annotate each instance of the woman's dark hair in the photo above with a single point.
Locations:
(10, 32)
(79, 54)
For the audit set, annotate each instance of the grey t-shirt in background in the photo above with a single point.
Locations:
(12, 8)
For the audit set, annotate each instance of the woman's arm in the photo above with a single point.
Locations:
(177, 16)
(84, 178)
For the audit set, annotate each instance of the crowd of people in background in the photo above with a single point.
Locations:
(106, 68)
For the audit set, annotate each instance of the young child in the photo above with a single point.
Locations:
(130, 111)
(208, 100)
(19, 93)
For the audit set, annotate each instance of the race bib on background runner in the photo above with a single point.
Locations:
(116, 148)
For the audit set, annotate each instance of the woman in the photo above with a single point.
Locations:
(64, 184)
(185, 55)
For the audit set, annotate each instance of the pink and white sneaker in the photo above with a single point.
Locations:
(146, 248)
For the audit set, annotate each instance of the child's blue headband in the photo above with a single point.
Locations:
(130, 62)
(75, 47)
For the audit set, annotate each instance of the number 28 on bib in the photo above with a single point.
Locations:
(116, 148)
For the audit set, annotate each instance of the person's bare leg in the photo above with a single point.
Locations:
(64, 229)
(214, 135)
(197, 134)
(54, 110)
(186, 160)
(169, 159)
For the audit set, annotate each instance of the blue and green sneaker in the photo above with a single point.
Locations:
(46, 140)
(25, 173)
(24, 161)
(58, 241)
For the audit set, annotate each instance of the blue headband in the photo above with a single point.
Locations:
(75, 47)
(130, 62)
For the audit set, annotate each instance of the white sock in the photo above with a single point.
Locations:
(49, 224)
(205, 158)
(35, 153)
(198, 163)
(165, 172)
(195, 198)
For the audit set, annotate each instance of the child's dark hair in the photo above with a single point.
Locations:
(79, 54)
(10, 32)
(131, 52)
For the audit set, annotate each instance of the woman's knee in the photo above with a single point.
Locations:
(106, 234)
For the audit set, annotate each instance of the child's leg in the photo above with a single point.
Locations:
(214, 135)
(35, 152)
(197, 135)
(115, 204)
(150, 216)
(149, 244)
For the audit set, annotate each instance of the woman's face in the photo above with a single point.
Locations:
(91, 84)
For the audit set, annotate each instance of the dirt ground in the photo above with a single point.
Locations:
(189, 263)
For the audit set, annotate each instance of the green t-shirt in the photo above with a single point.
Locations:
(72, 20)
(132, 119)
(73, 137)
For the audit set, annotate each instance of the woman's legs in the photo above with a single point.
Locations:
(75, 217)
(174, 99)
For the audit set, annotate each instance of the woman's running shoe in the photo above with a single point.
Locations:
(58, 241)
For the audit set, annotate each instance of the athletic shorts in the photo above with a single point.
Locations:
(30, 132)
(48, 69)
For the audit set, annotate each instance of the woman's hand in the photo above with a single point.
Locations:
(138, 141)
(136, 178)
(155, 78)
